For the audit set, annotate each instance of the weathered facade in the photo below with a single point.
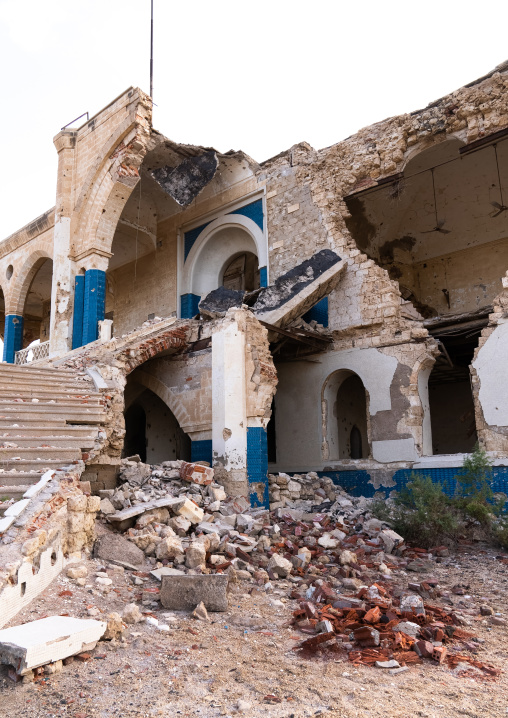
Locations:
(400, 363)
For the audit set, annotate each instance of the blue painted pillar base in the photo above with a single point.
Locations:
(94, 302)
(319, 312)
(263, 276)
(201, 450)
(13, 337)
(79, 309)
(257, 466)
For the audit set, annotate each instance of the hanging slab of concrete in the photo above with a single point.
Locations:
(297, 291)
(47, 640)
(183, 593)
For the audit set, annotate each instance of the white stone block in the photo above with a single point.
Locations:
(17, 508)
(6, 523)
(37, 488)
(47, 640)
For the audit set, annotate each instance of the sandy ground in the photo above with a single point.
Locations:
(205, 669)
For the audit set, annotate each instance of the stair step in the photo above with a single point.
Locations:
(70, 401)
(33, 453)
(13, 492)
(19, 478)
(72, 414)
(36, 371)
(24, 466)
(34, 442)
(61, 431)
(20, 384)
(28, 393)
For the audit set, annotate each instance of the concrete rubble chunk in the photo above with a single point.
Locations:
(279, 565)
(184, 593)
(196, 473)
(47, 640)
(158, 573)
(117, 549)
(188, 510)
(131, 614)
(200, 613)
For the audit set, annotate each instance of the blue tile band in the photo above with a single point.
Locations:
(94, 302)
(253, 211)
(189, 305)
(263, 276)
(79, 309)
(13, 336)
(257, 465)
(319, 312)
(190, 237)
(357, 483)
(201, 450)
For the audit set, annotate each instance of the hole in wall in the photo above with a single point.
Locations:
(9, 271)
(53, 558)
(22, 588)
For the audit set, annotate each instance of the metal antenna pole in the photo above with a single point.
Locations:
(151, 52)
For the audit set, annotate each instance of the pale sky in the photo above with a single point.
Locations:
(257, 76)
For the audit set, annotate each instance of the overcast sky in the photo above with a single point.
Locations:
(257, 76)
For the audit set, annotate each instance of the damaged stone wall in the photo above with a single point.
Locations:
(55, 524)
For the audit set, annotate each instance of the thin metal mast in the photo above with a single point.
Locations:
(151, 51)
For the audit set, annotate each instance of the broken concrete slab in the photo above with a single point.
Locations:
(184, 182)
(183, 593)
(119, 550)
(47, 640)
(297, 291)
(124, 519)
(158, 573)
(216, 303)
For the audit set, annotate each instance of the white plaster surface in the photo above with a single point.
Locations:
(47, 640)
(395, 450)
(229, 418)
(423, 391)
(6, 523)
(29, 585)
(491, 365)
(298, 413)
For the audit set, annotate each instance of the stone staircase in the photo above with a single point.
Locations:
(48, 419)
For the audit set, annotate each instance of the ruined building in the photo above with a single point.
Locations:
(341, 310)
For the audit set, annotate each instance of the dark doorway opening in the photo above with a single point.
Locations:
(135, 432)
(271, 437)
(352, 418)
(450, 396)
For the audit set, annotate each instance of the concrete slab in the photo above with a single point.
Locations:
(158, 573)
(183, 593)
(17, 508)
(47, 640)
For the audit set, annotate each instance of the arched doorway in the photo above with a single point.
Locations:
(151, 429)
(351, 413)
(344, 401)
(37, 306)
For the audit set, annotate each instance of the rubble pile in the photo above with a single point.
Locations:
(300, 491)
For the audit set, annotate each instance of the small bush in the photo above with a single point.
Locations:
(425, 515)
(422, 513)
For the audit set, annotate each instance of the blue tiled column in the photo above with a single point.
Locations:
(94, 301)
(257, 466)
(263, 276)
(13, 336)
(201, 450)
(79, 308)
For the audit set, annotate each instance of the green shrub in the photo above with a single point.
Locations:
(425, 515)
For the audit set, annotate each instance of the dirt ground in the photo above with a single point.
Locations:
(205, 669)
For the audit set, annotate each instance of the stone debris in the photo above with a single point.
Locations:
(184, 593)
(47, 640)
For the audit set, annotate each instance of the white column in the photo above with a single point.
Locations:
(229, 412)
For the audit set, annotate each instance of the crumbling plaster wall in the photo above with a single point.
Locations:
(365, 309)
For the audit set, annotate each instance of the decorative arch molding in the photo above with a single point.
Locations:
(166, 395)
(254, 241)
(108, 185)
(15, 301)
